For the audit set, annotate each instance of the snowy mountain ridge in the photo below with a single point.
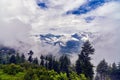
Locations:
(68, 43)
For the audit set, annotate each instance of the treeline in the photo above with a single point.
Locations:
(107, 72)
(48, 67)
(29, 71)
(82, 70)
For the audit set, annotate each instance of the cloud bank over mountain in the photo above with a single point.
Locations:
(20, 19)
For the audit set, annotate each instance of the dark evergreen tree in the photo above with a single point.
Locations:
(78, 66)
(30, 59)
(105, 72)
(97, 77)
(46, 62)
(1, 58)
(114, 67)
(17, 58)
(118, 72)
(42, 60)
(87, 50)
(13, 59)
(83, 64)
(35, 61)
(50, 61)
(88, 70)
(7, 59)
(30, 52)
(102, 69)
(22, 58)
(64, 64)
(113, 72)
(56, 66)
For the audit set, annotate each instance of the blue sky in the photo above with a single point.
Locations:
(42, 5)
(88, 6)
(84, 8)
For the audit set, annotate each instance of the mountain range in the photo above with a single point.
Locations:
(68, 43)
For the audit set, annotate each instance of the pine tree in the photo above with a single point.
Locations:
(83, 64)
(56, 66)
(42, 60)
(118, 72)
(46, 62)
(17, 58)
(35, 61)
(30, 52)
(113, 71)
(13, 59)
(50, 61)
(30, 59)
(22, 58)
(78, 66)
(64, 64)
(7, 59)
(1, 58)
(102, 69)
(114, 67)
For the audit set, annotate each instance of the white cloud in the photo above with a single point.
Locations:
(21, 18)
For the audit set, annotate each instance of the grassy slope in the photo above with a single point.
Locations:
(4, 76)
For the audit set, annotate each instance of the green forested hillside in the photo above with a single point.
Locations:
(15, 66)
(28, 71)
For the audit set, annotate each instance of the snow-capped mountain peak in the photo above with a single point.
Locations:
(68, 43)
